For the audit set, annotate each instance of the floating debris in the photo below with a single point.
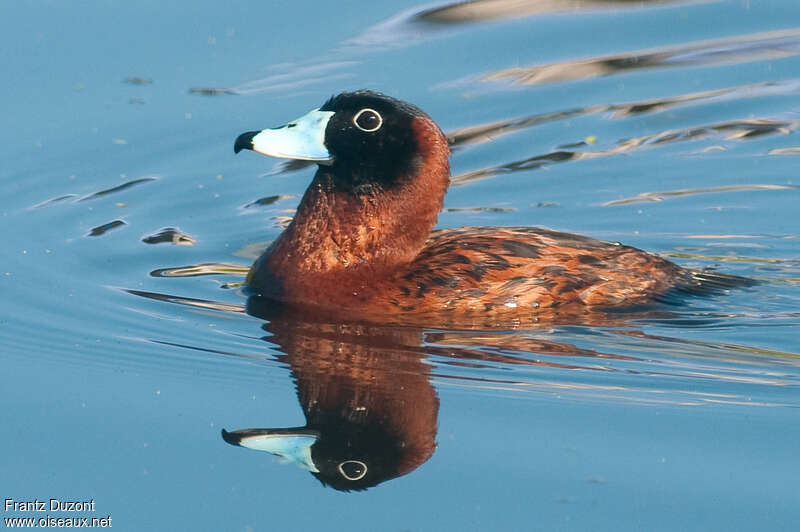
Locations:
(105, 228)
(170, 235)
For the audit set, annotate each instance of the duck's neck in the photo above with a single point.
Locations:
(379, 227)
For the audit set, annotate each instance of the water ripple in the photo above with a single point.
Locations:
(740, 49)
(731, 130)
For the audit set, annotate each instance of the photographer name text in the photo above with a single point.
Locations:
(49, 505)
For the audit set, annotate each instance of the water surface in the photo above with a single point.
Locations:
(128, 346)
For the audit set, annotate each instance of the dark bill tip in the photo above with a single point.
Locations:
(244, 141)
(232, 437)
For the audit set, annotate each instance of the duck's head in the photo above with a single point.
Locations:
(343, 454)
(361, 138)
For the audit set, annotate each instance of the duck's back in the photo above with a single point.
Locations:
(488, 269)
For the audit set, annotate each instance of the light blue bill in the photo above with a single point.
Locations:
(289, 447)
(302, 139)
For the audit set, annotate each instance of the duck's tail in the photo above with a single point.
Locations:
(709, 282)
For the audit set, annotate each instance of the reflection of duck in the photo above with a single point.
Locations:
(361, 240)
(370, 410)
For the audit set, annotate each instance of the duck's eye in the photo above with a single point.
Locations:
(353, 469)
(368, 120)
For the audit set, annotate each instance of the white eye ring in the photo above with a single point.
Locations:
(358, 114)
(358, 476)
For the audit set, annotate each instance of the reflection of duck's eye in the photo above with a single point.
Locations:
(368, 120)
(353, 469)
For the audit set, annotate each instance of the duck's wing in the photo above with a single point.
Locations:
(477, 267)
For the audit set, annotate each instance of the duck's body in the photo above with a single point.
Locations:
(362, 241)
(483, 270)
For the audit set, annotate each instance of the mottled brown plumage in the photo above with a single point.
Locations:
(481, 268)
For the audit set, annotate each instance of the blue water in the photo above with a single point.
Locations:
(668, 126)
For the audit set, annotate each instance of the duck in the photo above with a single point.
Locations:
(363, 241)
